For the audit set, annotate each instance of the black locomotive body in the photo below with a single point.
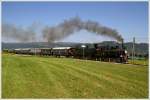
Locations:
(100, 53)
(111, 54)
(85, 53)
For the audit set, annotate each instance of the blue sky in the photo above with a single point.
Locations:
(130, 19)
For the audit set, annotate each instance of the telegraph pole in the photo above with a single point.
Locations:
(133, 50)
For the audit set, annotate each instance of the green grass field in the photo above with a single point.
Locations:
(48, 77)
(139, 62)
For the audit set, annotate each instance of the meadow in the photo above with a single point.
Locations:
(143, 62)
(26, 76)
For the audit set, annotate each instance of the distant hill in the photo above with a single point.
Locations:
(140, 48)
(35, 45)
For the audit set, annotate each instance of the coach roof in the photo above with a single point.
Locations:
(62, 48)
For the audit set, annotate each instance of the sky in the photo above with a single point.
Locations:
(130, 19)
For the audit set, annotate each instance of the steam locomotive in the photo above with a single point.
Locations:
(99, 53)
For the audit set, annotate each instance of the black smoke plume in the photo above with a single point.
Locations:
(58, 32)
(10, 31)
(75, 24)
